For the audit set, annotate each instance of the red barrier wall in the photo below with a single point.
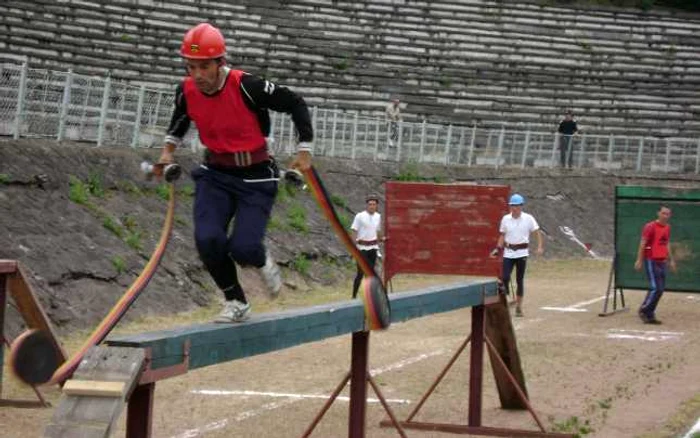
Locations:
(442, 228)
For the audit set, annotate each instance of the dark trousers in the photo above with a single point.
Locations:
(519, 264)
(656, 275)
(393, 130)
(371, 256)
(221, 198)
(566, 150)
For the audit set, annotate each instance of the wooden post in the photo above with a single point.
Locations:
(358, 384)
(477, 366)
(3, 303)
(139, 416)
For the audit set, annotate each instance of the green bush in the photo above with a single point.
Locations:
(4, 178)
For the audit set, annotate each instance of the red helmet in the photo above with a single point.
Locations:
(203, 41)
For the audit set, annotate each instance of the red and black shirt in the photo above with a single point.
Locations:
(236, 118)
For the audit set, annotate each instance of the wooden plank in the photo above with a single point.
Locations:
(442, 228)
(76, 431)
(500, 331)
(8, 266)
(91, 414)
(215, 343)
(29, 307)
(94, 388)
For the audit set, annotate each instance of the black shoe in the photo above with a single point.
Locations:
(643, 317)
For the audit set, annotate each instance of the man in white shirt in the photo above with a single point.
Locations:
(367, 233)
(514, 241)
(393, 116)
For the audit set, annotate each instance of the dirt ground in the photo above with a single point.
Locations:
(600, 377)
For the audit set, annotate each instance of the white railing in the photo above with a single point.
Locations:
(68, 106)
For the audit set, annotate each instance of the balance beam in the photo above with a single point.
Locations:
(173, 352)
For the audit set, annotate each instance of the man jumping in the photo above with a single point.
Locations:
(238, 178)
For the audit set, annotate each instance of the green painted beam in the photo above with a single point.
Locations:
(216, 343)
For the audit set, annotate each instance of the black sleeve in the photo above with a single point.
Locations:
(262, 94)
(561, 127)
(180, 121)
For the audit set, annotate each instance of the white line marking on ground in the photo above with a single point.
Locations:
(578, 307)
(643, 335)
(519, 324)
(694, 430)
(288, 395)
(402, 363)
(216, 425)
(564, 309)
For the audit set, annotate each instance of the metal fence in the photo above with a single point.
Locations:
(67, 106)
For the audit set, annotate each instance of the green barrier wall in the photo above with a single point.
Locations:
(635, 206)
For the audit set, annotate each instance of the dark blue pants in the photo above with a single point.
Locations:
(219, 199)
(519, 264)
(656, 275)
(371, 256)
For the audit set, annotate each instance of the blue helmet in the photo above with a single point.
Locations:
(516, 199)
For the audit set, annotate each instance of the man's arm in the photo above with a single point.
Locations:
(540, 241)
(671, 260)
(179, 124)
(640, 254)
(499, 245)
(265, 94)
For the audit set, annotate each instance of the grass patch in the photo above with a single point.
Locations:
(573, 425)
(78, 191)
(301, 264)
(133, 239)
(187, 190)
(410, 172)
(680, 422)
(129, 187)
(112, 225)
(163, 191)
(119, 264)
(95, 186)
(274, 224)
(344, 220)
(339, 201)
(4, 178)
(296, 216)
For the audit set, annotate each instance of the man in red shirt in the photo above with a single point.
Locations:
(654, 254)
(238, 179)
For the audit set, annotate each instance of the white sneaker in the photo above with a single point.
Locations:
(234, 311)
(270, 274)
